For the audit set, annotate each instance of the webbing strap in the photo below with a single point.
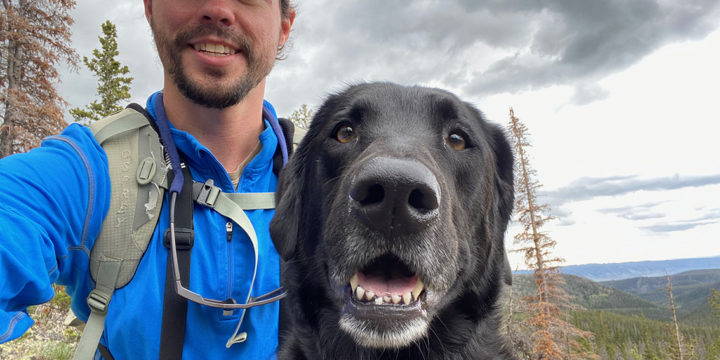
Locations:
(233, 206)
(98, 301)
(174, 306)
(118, 127)
(211, 196)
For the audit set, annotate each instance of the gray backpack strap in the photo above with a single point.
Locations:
(137, 176)
(233, 206)
(98, 300)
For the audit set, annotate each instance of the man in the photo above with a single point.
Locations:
(216, 55)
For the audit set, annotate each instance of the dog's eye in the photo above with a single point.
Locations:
(456, 140)
(344, 133)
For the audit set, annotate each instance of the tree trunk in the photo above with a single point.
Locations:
(14, 64)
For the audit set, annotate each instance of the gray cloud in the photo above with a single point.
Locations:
(637, 212)
(582, 41)
(585, 94)
(481, 47)
(678, 226)
(643, 212)
(588, 188)
(474, 47)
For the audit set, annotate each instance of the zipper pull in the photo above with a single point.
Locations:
(228, 229)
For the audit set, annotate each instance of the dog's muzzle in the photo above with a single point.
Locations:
(395, 196)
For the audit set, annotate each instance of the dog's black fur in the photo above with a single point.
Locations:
(395, 180)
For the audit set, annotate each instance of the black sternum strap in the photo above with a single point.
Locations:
(174, 306)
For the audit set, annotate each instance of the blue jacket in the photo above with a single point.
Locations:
(49, 220)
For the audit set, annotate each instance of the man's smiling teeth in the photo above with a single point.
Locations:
(368, 296)
(214, 49)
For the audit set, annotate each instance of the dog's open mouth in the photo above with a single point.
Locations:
(386, 281)
(385, 304)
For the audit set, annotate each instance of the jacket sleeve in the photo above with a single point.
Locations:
(53, 200)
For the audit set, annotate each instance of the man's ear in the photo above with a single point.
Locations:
(285, 225)
(286, 24)
(148, 9)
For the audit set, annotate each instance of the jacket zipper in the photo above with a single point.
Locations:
(229, 232)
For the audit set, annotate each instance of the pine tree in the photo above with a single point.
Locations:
(302, 116)
(112, 87)
(34, 38)
(554, 338)
(715, 302)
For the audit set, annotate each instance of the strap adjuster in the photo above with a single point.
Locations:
(184, 238)
(98, 301)
(208, 194)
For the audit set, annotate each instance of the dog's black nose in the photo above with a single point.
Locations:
(395, 196)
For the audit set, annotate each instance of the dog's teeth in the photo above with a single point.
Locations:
(419, 286)
(354, 282)
(387, 299)
(396, 299)
(369, 295)
(378, 301)
(359, 293)
(406, 298)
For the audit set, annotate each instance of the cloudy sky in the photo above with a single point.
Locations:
(620, 97)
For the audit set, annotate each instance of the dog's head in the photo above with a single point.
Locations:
(393, 210)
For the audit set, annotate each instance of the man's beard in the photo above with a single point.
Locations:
(212, 95)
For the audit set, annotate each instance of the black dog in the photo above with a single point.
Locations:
(390, 219)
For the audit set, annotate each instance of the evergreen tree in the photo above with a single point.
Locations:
(34, 38)
(715, 302)
(112, 87)
(302, 116)
(554, 338)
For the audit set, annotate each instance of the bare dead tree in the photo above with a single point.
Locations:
(552, 331)
(34, 38)
(677, 353)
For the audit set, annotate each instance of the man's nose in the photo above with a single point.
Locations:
(217, 11)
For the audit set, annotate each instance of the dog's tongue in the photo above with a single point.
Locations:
(387, 285)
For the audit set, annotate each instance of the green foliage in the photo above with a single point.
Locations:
(61, 300)
(636, 337)
(715, 302)
(56, 351)
(113, 87)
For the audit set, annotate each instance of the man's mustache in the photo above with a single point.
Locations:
(237, 40)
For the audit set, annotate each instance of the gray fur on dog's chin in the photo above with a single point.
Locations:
(403, 335)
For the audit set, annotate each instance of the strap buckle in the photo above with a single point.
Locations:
(208, 194)
(98, 301)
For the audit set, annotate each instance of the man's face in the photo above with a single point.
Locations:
(217, 51)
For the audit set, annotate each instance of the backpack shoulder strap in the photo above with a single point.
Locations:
(293, 135)
(138, 178)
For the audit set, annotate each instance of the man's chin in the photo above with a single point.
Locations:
(216, 97)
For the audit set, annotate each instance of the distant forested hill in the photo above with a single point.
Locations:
(630, 319)
(691, 290)
(627, 270)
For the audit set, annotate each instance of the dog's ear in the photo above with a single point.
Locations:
(504, 172)
(284, 226)
(504, 184)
